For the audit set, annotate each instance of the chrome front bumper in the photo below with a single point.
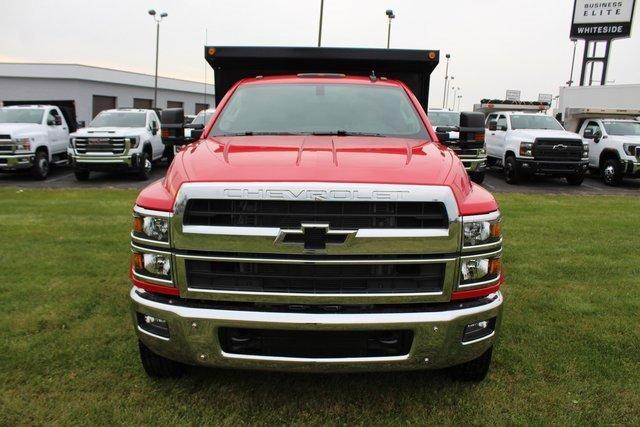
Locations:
(437, 341)
(102, 160)
(631, 168)
(16, 161)
(474, 164)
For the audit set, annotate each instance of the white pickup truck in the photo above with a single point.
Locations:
(528, 144)
(121, 139)
(613, 136)
(32, 137)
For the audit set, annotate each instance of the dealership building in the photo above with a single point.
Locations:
(93, 89)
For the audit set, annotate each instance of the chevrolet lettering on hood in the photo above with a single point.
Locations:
(317, 195)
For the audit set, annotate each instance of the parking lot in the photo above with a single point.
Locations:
(62, 177)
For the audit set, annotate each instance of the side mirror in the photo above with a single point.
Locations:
(196, 134)
(493, 125)
(588, 134)
(154, 128)
(194, 126)
(57, 120)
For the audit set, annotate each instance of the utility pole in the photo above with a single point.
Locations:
(390, 15)
(459, 100)
(446, 90)
(575, 44)
(320, 26)
(152, 12)
(446, 78)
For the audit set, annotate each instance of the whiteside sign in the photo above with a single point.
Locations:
(601, 20)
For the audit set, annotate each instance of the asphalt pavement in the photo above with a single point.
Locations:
(62, 177)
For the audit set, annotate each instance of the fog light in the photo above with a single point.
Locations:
(475, 331)
(153, 325)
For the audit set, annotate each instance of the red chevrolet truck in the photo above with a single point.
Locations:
(317, 224)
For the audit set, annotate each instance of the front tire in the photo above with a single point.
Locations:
(144, 167)
(40, 168)
(157, 366)
(612, 172)
(511, 173)
(474, 370)
(477, 177)
(575, 179)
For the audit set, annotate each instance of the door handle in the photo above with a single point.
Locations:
(64, 128)
(493, 133)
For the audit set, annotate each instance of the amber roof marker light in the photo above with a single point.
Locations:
(432, 55)
(211, 51)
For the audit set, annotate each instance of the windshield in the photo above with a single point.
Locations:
(119, 119)
(202, 118)
(444, 118)
(534, 121)
(21, 115)
(341, 109)
(622, 128)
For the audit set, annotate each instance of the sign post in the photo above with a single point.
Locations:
(600, 22)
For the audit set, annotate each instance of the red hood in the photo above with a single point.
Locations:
(320, 158)
(317, 158)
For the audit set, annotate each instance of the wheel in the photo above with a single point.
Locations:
(81, 174)
(612, 172)
(168, 154)
(157, 366)
(575, 179)
(511, 173)
(477, 177)
(40, 168)
(474, 370)
(144, 166)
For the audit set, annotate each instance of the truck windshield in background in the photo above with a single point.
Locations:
(532, 121)
(202, 118)
(320, 109)
(21, 115)
(119, 120)
(444, 118)
(621, 128)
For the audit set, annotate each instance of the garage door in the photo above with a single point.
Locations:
(101, 103)
(142, 103)
(174, 104)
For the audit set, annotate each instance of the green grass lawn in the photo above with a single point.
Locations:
(569, 351)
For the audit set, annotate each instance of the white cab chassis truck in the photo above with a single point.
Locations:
(32, 137)
(613, 136)
(527, 144)
(121, 139)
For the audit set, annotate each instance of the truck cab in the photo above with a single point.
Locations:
(528, 144)
(32, 137)
(613, 137)
(125, 139)
(472, 154)
(317, 224)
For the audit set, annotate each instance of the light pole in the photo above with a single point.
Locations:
(575, 43)
(152, 12)
(390, 15)
(446, 78)
(446, 101)
(455, 96)
(320, 26)
(459, 100)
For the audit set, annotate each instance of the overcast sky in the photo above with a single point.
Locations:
(494, 44)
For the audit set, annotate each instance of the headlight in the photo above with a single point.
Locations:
(154, 265)
(526, 149)
(479, 270)
(132, 141)
(585, 151)
(23, 144)
(481, 230)
(151, 227)
(630, 149)
(482, 152)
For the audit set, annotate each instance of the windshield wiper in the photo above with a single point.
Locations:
(347, 133)
(252, 133)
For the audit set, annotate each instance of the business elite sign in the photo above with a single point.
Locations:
(601, 20)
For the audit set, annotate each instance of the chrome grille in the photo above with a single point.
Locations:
(100, 145)
(339, 215)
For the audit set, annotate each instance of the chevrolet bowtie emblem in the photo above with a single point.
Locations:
(314, 237)
(559, 147)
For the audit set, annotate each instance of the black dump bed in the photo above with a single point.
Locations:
(231, 64)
